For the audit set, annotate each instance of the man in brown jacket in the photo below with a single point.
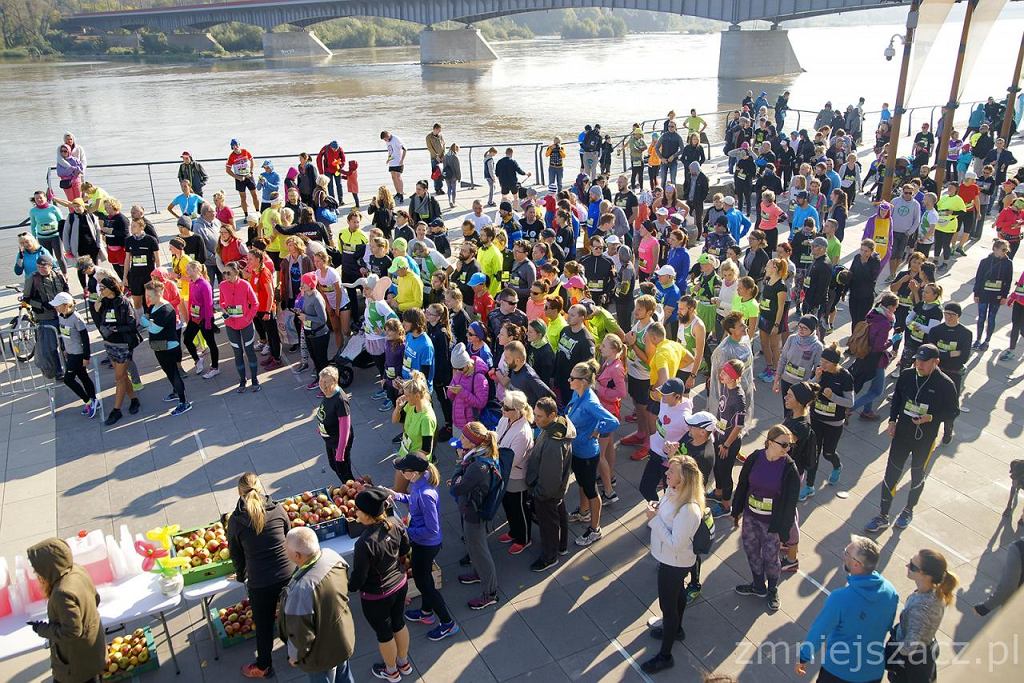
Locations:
(435, 145)
(77, 650)
(314, 618)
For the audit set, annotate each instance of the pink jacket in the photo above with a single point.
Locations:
(467, 404)
(238, 301)
(200, 302)
(611, 385)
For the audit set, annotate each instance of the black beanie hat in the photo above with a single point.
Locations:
(802, 392)
(372, 501)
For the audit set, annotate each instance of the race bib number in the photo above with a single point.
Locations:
(797, 372)
(195, 311)
(65, 331)
(766, 305)
(110, 317)
(139, 261)
(914, 410)
(826, 408)
(234, 311)
(307, 325)
(993, 285)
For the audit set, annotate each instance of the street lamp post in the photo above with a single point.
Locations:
(1011, 95)
(954, 90)
(901, 93)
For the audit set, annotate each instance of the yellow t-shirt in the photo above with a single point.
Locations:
(268, 219)
(179, 265)
(669, 355)
(881, 236)
(948, 207)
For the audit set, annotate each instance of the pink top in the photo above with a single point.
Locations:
(770, 216)
(646, 252)
(534, 310)
(611, 385)
(200, 302)
(238, 301)
(1017, 293)
(226, 216)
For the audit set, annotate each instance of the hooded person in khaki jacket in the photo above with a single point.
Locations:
(77, 650)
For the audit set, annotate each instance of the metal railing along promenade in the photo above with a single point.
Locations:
(153, 183)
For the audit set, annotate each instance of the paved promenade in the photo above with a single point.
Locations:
(584, 620)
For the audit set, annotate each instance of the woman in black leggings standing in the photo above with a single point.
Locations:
(162, 324)
(200, 321)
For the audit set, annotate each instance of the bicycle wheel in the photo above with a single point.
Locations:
(23, 340)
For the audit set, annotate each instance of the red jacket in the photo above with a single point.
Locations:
(330, 161)
(263, 284)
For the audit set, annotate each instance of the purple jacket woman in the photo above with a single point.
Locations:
(471, 396)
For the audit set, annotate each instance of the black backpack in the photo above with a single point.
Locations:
(704, 536)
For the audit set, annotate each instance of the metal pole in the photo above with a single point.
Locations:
(152, 190)
(901, 93)
(954, 89)
(1011, 95)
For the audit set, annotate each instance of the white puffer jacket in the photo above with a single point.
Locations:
(672, 531)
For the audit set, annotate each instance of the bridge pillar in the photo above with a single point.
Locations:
(756, 54)
(132, 41)
(454, 47)
(293, 44)
(194, 42)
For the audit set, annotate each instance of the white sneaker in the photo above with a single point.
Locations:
(201, 365)
(265, 350)
(212, 373)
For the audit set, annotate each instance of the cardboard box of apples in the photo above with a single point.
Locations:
(207, 550)
(233, 624)
(328, 511)
(129, 655)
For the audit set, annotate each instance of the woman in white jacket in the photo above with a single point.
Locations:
(673, 522)
(515, 432)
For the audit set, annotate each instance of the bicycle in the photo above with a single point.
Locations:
(22, 339)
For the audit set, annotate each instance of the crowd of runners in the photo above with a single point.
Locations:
(528, 337)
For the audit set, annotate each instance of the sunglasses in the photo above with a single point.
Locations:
(784, 445)
(507, 409)
(913, 567)
(572, 377)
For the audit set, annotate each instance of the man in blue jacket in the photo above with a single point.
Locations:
(739, 224)
(854, 621)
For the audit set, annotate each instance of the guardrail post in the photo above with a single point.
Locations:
(152, 189)
(472, 183)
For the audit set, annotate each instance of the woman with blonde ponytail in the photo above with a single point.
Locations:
(256, 533)
(914, 637)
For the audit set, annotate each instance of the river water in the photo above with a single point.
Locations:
(127, 111)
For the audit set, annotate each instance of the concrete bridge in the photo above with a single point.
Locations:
(744, 54)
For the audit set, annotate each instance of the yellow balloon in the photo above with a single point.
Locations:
(163, 535)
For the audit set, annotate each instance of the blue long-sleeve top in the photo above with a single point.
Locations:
(855, 619)
(679, 259)
(739, 225)
(424, 512)
(593, 216)
(800, 214)
(589, 417)
(270, 182)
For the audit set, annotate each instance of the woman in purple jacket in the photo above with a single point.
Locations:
(200, 320)
(425, 538)
(871, 368)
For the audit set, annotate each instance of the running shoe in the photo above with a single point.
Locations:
(517, 548)
(253, 671)
(112, 417)
(589, 537)
(241, 387)
(134, 406)
(640, 454)
(505, 538)
(293, 348)
(442, 631)
(257, 387)
(421, 617)
(773, 599)
(137, 386)
(386, 407)
(380, 395)
(212, 373)
(1006, 355)
(806, 492)
(94, 408)
(469, 579)
(380, 670)
(265, 351)
(300, 368)
(631, 418)
(719, 510)
(634, 439)
(577, 516)
(609, 498)
(543, 565)
(171, 398)
(87, 409)
(404, 668)
(483, 602)
(947, 437)
(984, 346)
(790, 566)
(182, 408)
(751, 589)
(877, 525)
(976, 345)
(904, 519)
(658, 662)
(833, 479)
(313, 385)
(201, 365)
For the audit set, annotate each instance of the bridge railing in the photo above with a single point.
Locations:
(153, 183)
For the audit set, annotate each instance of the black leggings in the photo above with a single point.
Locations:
(919, 452)
(267, 331)
(422, 567)
(672, 600)
(318, 350)
(771, 238)
(342, 468)
(76, 377)
(56, 249)
(386, 616)
(189, 335)
(1016, 324)
(520, 518)
(743, 190)
(168, 361)
(723, 467)
(264, 608)
(944, 245)
(636, 176)
(652, 477)
(826, 441)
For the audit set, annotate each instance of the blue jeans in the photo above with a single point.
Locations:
(987, 310)
(340, 674)
(555, 176)
(668, 172)
(867, 398)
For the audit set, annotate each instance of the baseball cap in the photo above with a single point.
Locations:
(398, 263)
(477, 279)
(410, 463)
(676, 219)
(730, 200)
(576, 282)
(802, 194)
(673, 385)
(970, 175)
(186, 153)
(662, 211)
(703, 420)
(953, 307)
(708, 258)
(233, 142)
(437, 223)
(61, 299)
(400, 243)
(926, 352)
(613, 239)
(666, 270)
(44, 260)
